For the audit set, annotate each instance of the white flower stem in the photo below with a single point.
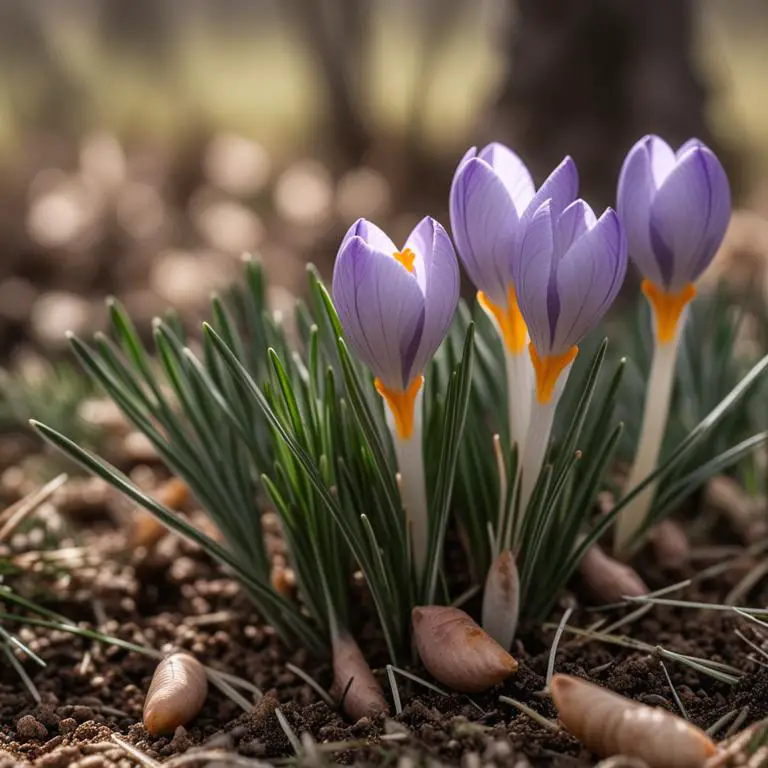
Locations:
(412, 484)
(536, 444)
(657, 399)
(519, 387)
(539, 431)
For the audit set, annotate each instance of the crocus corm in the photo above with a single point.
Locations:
(675, 207)
(395, 306)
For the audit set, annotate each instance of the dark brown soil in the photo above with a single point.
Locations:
(174, 597)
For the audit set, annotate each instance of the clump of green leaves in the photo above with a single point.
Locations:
(54, 394)
(248, 420)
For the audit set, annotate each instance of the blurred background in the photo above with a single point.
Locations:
(146, 145)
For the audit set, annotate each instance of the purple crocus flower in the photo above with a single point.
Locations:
(395, 305)
(570, 269)
(675, 207)
(491, 196)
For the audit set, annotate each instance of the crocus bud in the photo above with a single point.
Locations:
(570, 268)
(457, 652)
(675, 207)
(501, 600)
(395, 306)
(491, 193)
(608, 724)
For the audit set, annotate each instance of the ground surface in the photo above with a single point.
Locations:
(172, 596)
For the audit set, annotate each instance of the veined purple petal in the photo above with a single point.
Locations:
(661, 159)
(690, 144)
(573, 222)
(561, 187)
(635, 195)
(484, 224)
(381, 309)
(531, 274)
(512, 172)
(437, 273)
(371, 234)
(690, 213)
(589, 277)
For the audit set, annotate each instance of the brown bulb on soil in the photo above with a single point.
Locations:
(607, 579)
(176, 695)
(362, 697)
(608, 724)
(457, 652)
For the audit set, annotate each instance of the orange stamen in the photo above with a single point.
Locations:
(667, 307)
(509, 319)
(548, 370)
(401, 404)
(405, 257)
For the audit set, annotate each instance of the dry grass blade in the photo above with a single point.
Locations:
(734, 750)
(738, 722)
(22, 674)
(750, 580)
(290, 734)
(550, 725)
(752, 645)
(216, 757)
(711, 668)
(643, 609)
(428, 685)
(136, 754)
(553, 650)
(656, 593)
(313, 684)
(721, 722)
(674, 691)
(14, 515)
(395, 690)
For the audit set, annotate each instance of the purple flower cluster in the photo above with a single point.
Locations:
(543, 263)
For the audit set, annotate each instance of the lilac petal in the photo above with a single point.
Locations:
(574, 221)
(484, 224)
(561, 187)
(661, 159)
(635, 195)
(589, 277)
(437, 274)
(531, 274)
(512, 172)
(690, 144)
(371, 234)
(381, 309)
(690, 213)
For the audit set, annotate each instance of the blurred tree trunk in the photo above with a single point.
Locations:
(336, 32)
(589, 78)
(41, 91)
(141, 30)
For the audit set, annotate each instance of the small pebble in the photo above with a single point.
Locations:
(63, 757)
(92, 761)
(29, 729)
(82, 714)
(67, 725)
